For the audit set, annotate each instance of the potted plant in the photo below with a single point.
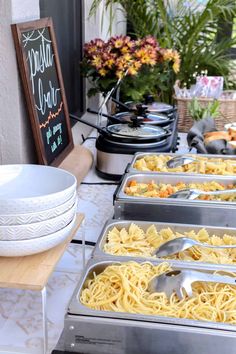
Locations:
(141, 64)
(188, 26)
(198, 111)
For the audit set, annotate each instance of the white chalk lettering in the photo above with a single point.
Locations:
(59, 140)
(57, 128)
(40, 59)
(48, 99)
(53, 146)
(48, 134)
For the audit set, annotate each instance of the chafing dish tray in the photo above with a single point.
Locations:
(139, 156)
(99, 252)
(201, 212)
(92, 331)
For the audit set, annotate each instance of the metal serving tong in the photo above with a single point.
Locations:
(192, 193)
(179, 281)
(178, 161)
(183, 243)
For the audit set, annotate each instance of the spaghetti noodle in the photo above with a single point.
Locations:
(123, 288)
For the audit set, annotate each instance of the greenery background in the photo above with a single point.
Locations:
(196, 31)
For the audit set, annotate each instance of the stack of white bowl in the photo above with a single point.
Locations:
(37, 208)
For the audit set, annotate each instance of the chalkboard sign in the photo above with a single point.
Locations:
(44, 90)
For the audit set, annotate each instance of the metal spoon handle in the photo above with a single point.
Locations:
(212, 246)
(225, 191)
(212, 278)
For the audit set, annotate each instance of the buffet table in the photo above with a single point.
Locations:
(21, 311)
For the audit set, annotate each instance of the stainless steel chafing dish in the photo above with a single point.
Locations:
(99, 252)
(92, 331)
(200, 212)
(138, 156)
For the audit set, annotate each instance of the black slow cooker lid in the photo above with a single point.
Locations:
(143, 131)
(149, 118)
(159, 107)
(154, 107)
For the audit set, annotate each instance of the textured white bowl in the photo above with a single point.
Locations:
(37, 245)
(33, 188)
(38, 229)
(29, 218)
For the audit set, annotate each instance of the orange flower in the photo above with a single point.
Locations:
(125, 50)
(120, 74)
(127, 57)
(109, 63)
(176, 66)
(118, 43)
(102, 72)
(97, 61)
(132, 71)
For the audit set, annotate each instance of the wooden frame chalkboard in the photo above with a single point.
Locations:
(40, 71)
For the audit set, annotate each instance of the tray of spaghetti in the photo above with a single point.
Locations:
(148, 197)
(119, 289)
(139, 239)
(203, 164)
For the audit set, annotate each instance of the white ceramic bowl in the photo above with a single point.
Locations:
(36, 245)
(28, 218)
(38, 229)
(33, 188)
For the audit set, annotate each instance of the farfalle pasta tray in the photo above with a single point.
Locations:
(130, 239)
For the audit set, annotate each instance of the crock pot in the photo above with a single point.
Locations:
(117, 143)
(113, 157)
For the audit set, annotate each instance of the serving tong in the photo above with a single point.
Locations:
(182, 160)
(180, 281)
(179, 161)
(180, 244)
(193, 193)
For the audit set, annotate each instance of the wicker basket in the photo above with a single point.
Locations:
(227, 112)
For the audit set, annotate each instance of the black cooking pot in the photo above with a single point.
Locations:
(151, 106)
(159, 119)
(135, 132)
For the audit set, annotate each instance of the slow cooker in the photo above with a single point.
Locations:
(114, 156)
(116, 143)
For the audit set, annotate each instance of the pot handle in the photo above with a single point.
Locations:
(168, 133)
(171, 120)
(99, 129)
(123, 105)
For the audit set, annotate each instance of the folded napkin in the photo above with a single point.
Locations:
(195, 138)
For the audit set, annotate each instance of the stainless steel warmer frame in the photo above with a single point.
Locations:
(138, 156)
(212, 213)
(106, 332)
(99, 253)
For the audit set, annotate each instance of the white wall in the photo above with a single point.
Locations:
(15, 135)
(16, 140)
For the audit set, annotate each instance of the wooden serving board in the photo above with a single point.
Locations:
(32, 272)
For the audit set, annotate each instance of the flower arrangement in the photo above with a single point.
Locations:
(137, 62)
